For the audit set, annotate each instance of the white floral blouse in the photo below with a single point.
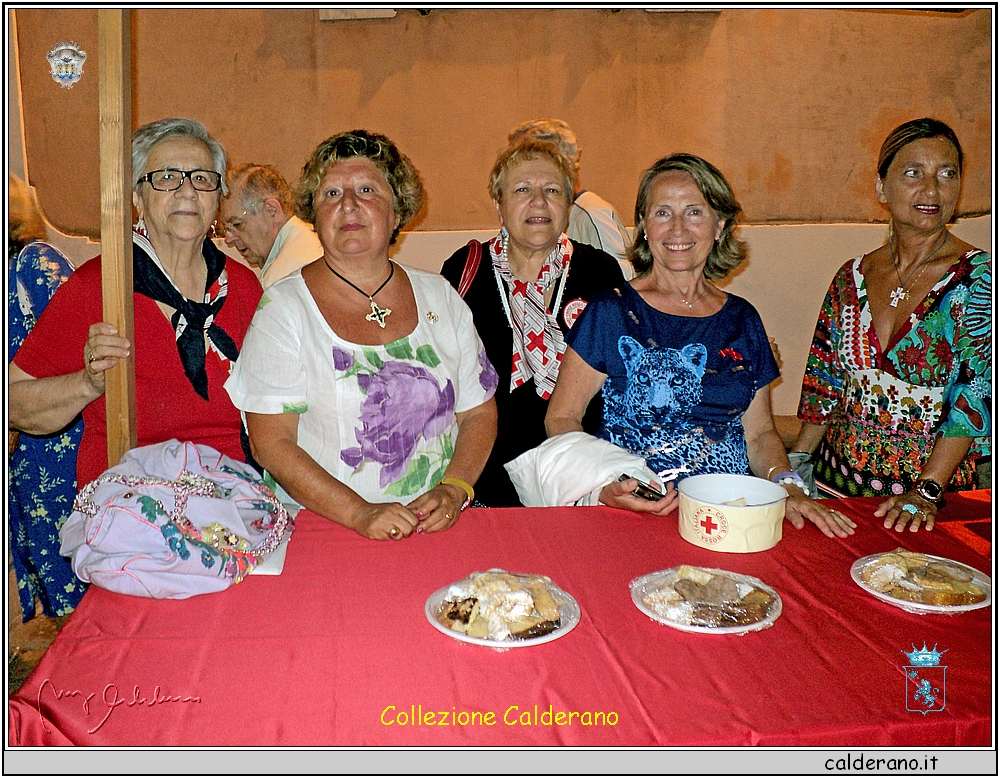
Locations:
(381, 419)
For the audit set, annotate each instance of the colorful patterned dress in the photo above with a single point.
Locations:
(42, 481)
(886, 408)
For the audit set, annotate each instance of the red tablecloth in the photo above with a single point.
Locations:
(336, 649)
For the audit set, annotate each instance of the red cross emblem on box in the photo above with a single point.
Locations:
(710, 524)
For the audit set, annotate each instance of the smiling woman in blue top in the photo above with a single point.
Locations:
(683, 367)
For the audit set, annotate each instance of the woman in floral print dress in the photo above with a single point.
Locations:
(42, 481)
(897, 392)
(367, 392)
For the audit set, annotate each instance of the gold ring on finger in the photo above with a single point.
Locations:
(394, 533)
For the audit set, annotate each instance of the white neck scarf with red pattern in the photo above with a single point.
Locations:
(538, 341)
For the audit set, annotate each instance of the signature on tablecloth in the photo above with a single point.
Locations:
(110, 700)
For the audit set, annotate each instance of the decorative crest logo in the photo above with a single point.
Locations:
(922, 657)
(66, 61)
(925, 679)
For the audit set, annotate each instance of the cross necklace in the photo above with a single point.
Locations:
(899, 294)
(378, 315)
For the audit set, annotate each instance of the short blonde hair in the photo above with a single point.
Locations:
(399, 172)
(24, 220)
(524, 149)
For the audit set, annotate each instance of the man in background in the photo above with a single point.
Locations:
(259, 222)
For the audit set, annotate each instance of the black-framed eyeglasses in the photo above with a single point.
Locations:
(171, 179)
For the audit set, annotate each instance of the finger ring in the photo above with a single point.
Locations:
(91, 359)
(394, 533)
(911, 509)
(447, 515)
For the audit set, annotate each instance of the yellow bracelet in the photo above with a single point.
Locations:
(464, 485)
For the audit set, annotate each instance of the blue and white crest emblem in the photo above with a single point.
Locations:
(925, 679)
(66, 61)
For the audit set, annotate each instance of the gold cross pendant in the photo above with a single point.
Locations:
(378, 314)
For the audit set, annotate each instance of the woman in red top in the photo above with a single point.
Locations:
(192, 307)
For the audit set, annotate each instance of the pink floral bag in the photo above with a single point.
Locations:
(173, 520)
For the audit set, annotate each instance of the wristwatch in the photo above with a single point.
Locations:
(930, 490)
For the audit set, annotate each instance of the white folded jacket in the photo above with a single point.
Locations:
(571, 469)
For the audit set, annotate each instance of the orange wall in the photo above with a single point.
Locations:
(791, 104)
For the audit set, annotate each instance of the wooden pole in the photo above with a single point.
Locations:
(114, 46)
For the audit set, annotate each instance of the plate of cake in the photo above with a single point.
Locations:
(503, 610)
(706, 600)
(921, 583)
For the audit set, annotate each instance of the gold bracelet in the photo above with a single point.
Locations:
(768, 476)
(464, 485)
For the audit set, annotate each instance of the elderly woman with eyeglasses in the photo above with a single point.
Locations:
(192, 307)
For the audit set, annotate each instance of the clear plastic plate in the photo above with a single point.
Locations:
(979, 579)
(653, 581)
(569, 617)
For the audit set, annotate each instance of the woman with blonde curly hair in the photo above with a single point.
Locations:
(526, 287)
(684, 368)
(368, 394)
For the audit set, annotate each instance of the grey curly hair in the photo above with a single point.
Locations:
(399, 172)
(150, 134)
(729, 251)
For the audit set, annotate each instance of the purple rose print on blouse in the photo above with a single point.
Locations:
(402, 404)
(488, 378)
(342, 360)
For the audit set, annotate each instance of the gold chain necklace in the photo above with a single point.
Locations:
(683, 300)
(899, 294)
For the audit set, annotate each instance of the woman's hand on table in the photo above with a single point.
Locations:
(439, 508)
(101, 352)
(385, 521)
(908, 508)
(831, 523)
(618, 494)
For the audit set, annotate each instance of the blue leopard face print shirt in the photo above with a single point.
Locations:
(677, 387)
